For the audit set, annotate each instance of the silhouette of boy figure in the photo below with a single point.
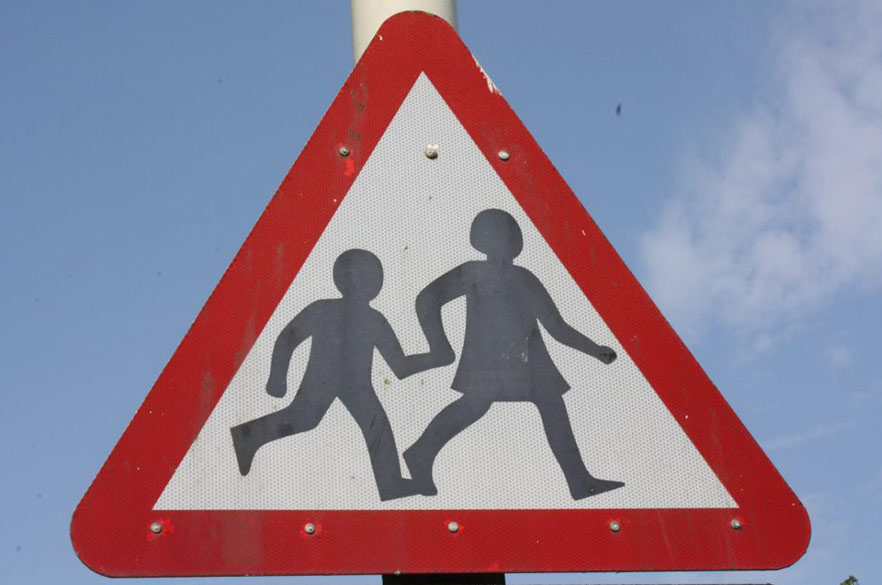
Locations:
(344, 333)
(503, 356)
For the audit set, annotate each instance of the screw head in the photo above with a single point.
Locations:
(453, 527)
(344, 151)
(156, 527)
(503, 155)
(735, 524)
(432, 151)
(615, 526)
(309, 528)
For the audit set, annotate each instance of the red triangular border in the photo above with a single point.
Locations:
(111, 527)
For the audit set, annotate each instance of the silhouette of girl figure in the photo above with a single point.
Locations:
(344, 333)
(503, 356)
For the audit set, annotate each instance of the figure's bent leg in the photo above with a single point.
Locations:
(560, 437)
(371, 418)
(303, 414)
(452, 420)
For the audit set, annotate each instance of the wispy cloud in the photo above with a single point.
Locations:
(819, 431)
(873, 484)
(839, 356)
(783, 211)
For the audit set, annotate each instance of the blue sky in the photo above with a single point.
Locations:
(742, 184)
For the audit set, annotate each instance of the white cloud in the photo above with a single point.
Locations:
(819, 431)
(839, 356)
(873, 484)
(783, 212)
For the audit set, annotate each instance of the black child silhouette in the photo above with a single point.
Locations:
(503, 355)
(344, 333)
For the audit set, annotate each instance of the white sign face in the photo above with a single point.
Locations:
(415, 213)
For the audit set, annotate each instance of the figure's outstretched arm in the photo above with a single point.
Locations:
(294, 333)
(404, 365)
(390, 348)
(559, 329)
(428, 308)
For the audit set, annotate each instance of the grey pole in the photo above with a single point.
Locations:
(368, 15)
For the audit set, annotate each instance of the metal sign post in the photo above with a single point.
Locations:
(369, 15)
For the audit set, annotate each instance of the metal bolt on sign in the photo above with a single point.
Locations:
(615, 526)
(344, 151)
(156, 527)
(453, 527)
(309, 528)
(503, 155)
(736, 524)
(432, 151)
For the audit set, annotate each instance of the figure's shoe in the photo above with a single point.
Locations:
(420, 472)
(403, 488)
(244, 449)
(594, 487)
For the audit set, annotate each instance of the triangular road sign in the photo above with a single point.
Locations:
(426, 357)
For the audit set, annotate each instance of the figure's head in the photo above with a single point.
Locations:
(358, 274)
(497, 234)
